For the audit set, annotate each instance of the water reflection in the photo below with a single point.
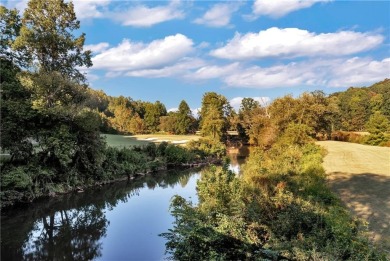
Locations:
(73, 226)
(237, 158)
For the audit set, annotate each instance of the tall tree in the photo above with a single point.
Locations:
(184, 118)
(153, 112)
(47, 34)
(10, 24)
(215, 108)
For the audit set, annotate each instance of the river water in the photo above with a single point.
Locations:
(120, 221)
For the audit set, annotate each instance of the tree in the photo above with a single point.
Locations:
(184, 118)
(169, 123)
(46, 33)
(215, 108)
(10, 24)
(378, 125)
(16, 114)
(153, 112)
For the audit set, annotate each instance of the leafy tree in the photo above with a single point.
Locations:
(248, 104)
(122, 111)
(169, 123)
(153, 112)
(184, 118)
(256, 127)
(215, 108)
(16, 114)
(378, 125)
(10, 24)
(46, 33)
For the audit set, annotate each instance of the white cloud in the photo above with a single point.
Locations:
(321, 73)
(92, 77)
(130, 55)
(359, 71)
(276, 8)
(183, 66)
(213, 71)
(173, 110)
(87, 9)
(219, 15)
(144, 16)
(97, 48)
(294, 42)
(236, 101)
(195, 112)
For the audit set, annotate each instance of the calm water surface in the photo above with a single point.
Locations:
(116, 222)
(120, 221)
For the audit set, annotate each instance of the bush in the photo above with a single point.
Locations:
(208, 147)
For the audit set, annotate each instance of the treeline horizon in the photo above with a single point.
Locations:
(349, 110)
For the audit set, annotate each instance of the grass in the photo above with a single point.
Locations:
(360, 175)
(139, 140)
(122, 141)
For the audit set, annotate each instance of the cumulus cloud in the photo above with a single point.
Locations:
(294, 42)
(87, 9)
(359, 71)
(128, 55)
(144, 16)
(97, 48)
(277, 9)
(181, 67)
(219, 15)
(328, 73)
(213, 71)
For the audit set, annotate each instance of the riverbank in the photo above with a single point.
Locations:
(24, 182)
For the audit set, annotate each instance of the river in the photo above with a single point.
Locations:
(120, 221)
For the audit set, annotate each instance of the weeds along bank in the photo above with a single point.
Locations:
(25, 181)
(279, 209)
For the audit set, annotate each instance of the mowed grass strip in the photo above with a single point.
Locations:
(140, 140)
(165, 137)
(122, 141)
(360, 175)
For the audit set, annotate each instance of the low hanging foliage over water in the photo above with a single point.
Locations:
(279, 209)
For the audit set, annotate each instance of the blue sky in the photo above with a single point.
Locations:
(175, 50)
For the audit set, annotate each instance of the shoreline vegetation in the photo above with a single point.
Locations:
(119, 164)
(279, 208)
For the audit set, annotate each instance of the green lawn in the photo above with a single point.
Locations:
(122, 141)
(136, 140)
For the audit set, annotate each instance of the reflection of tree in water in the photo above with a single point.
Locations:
(70, 227)
(67, 234)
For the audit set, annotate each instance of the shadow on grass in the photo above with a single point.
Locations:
(367, 195)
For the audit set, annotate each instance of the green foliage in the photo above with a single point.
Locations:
(357, 105)
(215, 108)
(153, 112)
(46, 33)
(379, 126)
(280, 208)
(176, 155)
(10, 26)
(184, 118)
(298, 134)
(207, 147)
